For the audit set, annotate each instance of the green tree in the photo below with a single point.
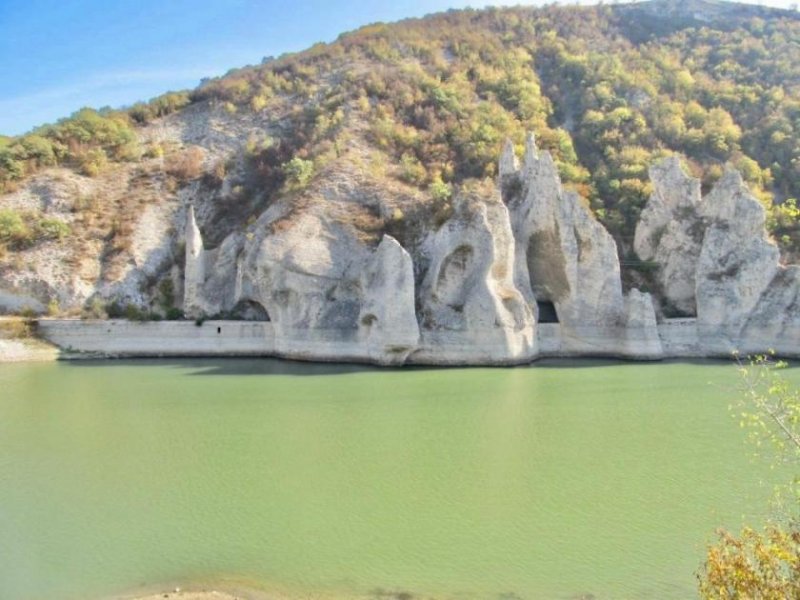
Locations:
(764, 564)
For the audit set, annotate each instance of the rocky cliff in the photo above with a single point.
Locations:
(464, 291)
(716, 262)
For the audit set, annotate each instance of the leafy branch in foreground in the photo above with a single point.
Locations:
(762, 565)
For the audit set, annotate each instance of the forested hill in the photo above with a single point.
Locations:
(607, 89)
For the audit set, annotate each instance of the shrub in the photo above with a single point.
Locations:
(13, 229)
(174, 314)
(187, 165)
(411, 170)
(298, 171)
(94, 309)
(52, 229)
(53, 307)
(134, 313)
(440, 191)
(93, 162)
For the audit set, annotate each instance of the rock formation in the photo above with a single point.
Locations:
(470, 309)
(737, 263)
(469, 290)
(387, 319)
(564, 256)
(466, 293)
(670, 233)
(716, 261)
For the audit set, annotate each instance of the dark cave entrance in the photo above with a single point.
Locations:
(547, 312)
(250, 310)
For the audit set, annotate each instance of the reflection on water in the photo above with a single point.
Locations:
(602, 478)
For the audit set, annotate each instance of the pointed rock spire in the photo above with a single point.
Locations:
(508, 160)
(194, 239)
(531, 151)
(194, 274)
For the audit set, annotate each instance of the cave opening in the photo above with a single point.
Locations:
(250, 310)
(547, 312)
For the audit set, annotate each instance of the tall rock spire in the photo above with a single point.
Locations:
(195, 267)
(508, 160)
(531, 151)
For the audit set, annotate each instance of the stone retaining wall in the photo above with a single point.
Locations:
(679, 338)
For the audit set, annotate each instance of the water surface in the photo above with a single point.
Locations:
(551, 481)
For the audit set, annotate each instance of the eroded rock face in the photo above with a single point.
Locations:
(737, 262)
(388, 320)
(466, 294)
(195, 269)
(670, 232)
(564, 256)
(774, 324)
(744, 300)
(327, 294)
(467, 290)
(470, 309)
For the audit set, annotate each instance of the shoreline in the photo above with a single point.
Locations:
(249, 590)
(18, 342)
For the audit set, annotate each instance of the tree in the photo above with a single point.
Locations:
(764, 564)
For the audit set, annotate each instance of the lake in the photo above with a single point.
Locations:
(558, 480)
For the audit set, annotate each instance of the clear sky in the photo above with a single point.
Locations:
(59, 55)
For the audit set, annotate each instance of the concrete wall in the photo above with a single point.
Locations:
(679, 338)
(162, 338)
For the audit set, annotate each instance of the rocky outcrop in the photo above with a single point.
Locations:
(717, 262)
(737, 262)
(469, 290)
(670, 233)
(565, 257)
(195, 268)
(387, 319)
(470, 309)
(465, 293)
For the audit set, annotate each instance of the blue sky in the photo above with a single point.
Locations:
(60, 55)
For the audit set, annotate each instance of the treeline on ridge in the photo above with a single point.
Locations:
(439, 95)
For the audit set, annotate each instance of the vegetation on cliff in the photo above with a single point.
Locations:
(607, 89)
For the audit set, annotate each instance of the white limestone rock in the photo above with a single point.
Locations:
(564, 256)
(774, 324)
(195, 271)
(717, 259)
(307, 274)
(736, 264)
(470, 310)
(670, 232)
(508, 164)
(388, 320)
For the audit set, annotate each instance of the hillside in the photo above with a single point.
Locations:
(379, 130)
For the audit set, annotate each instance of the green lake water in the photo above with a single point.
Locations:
(552, 481)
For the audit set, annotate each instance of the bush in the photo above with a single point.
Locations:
(174, 314)
(187, 165)
(53, 307)
(763, 565)
(753, 565)
(440, 191)
(13, 229)
(52, 229)
(298, 171)
(93, 162)
(411, 170)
